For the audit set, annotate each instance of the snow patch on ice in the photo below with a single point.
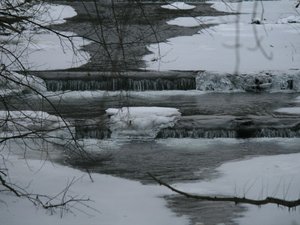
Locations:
(278, 47)
(201, 20)
(52, 13)
(15, 83)
(140, 122)
(265, 11)
(38, 49)
(274, 176)
(289, 110)
(178, 6)
(36, 124)
(289, 19)
(116, 201)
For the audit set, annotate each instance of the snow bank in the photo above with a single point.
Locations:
(178, 6)
(140, 122)
(14, 83)
(116, 201)
(275, 176)
(35, 124)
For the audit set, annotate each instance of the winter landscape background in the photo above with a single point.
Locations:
(203, 95)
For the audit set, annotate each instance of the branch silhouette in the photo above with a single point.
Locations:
(234, 199)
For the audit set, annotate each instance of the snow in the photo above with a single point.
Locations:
(266, 11)
(289, 110)
(276, 176)
(43, 50)
(52, 13)
(270, 46)
(178, 6)
(35, 124)
(289, 19)
(264, 81)
(14, 83)
(117, 201)
(68, 96)
(140, 122)
(200, 20)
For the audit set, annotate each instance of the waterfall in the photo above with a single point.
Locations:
(228, 133)
(114, 84)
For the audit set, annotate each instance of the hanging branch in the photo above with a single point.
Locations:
(236, 200)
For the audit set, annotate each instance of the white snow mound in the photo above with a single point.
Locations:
(178, 6)
(140, 122)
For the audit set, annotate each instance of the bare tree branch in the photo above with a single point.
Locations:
(236, 200)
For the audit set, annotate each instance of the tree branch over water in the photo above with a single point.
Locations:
(234, 199)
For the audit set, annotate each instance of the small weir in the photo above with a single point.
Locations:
(109, 81)
(115, 84)
(223, 133)
(93, 132)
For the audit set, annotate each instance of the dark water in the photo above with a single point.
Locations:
(179, 160)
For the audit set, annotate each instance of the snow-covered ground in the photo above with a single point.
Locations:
(38, 49)
(235, 45)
